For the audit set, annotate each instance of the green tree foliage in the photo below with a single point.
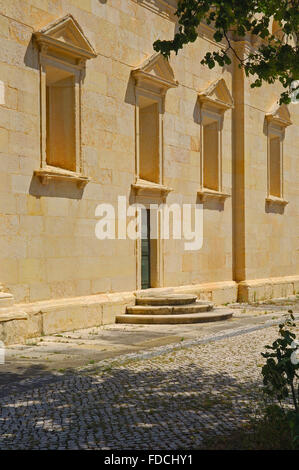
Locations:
(276, 57)
(281, 374)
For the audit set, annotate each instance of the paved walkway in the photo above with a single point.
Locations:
(168, 397)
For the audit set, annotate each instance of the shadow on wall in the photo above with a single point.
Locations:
(274, 208)
(130, 91)
(31, 56)
(211, 204)
(62, 189)
(123, 407)
(196, 112)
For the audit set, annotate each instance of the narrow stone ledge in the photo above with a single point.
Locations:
(276, 200)
(147, 188)
(46, 175)
(205, 194)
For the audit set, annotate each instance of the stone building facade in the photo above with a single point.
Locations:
(89, 113)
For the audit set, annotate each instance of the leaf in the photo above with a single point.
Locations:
(274, 60)
(218, 36)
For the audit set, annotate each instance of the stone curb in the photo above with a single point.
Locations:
(161, 350)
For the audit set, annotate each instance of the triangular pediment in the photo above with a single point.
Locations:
(67, 34)
(280, 115)
(217, 94)
(156, 69)
(158, 66)
(68, 30)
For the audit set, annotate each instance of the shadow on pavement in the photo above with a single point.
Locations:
(125, 409)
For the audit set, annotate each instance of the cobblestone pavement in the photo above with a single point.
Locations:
(72, 349)
(167, 401)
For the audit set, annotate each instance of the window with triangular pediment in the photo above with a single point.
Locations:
(152, 80)
(277, 120)
(63, 51)
(214, 101)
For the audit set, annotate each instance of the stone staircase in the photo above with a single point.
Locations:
(172, 309)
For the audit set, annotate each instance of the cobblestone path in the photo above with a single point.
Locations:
(171, 401)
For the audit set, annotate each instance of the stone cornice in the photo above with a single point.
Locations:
(48, 44)
(205, 194)
(279, 115)
(65, 38)
(217, 96)
(144, 80)
(276, 200)
(148, 188)
(155, 74)
(46, 175)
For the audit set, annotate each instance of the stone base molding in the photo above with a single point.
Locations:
(23, 321)
(19, 322)
(269, 288)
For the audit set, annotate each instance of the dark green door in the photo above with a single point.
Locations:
(145, 249)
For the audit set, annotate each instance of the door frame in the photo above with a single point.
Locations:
(158, 266)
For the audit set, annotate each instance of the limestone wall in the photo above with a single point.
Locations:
(272, 230)
(48, 247)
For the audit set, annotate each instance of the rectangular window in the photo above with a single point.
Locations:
(275, 167)
(211, 156)
(148, 140)
(60, 119)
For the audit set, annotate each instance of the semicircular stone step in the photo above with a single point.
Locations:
(215, 315)
(166, 299)
(195, 307)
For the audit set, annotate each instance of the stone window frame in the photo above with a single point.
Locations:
(213, 102)
(145, 199)
(139, 92)
(69, 57)
(153, 86)
(277, 120)
(209, 116)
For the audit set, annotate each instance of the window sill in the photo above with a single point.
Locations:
(45, 175)
(147, 188)
(205, 194)
(276, 200)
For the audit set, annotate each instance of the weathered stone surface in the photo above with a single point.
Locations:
(166, 299)
(172, 400)
(170, 308)
(195, 307)
(265, 289)
(217, 315)
(5, 300)
(48, 248)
